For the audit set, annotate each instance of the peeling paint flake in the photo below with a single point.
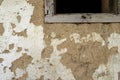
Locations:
(114, 41)
(90, 37)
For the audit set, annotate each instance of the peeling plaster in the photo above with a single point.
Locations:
(112, 68)
(15, 17)
(1, 29)
(21, 63)
(22, 33)
(11, 46)
(9, 12)
(1, 60)
(90, 37)
(1, 2)
(51, 66)
(19, 36)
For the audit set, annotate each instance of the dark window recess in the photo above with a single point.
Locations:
(78, 6)
(100, 11)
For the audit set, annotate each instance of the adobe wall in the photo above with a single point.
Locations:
(33, 50)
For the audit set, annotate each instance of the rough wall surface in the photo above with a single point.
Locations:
(33, 50)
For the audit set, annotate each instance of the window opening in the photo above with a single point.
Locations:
(78, 6)
(77, 11)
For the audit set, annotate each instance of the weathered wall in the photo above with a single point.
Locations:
(32, 50)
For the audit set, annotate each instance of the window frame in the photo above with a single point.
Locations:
(51, 17)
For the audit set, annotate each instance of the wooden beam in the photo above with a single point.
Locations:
(49, 7)
(83, 18)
